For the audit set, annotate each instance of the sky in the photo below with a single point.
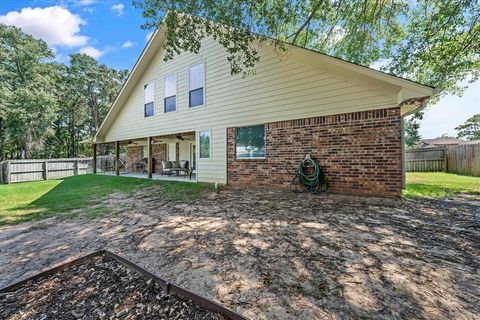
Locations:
(110, 31)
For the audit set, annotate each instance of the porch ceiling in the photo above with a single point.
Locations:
(161, 139)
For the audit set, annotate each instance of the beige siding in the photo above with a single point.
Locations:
(282, 89)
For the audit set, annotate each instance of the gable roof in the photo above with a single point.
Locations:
(412, 95)
(443, 141)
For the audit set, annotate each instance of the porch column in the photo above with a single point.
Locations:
(117, 158)
(150, 160)
(94, 160)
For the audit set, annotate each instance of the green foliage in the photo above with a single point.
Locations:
(86, 91)
(412, 135)
(205, 145)
(434, 42)
(470, 129)
(27, 102)
(46, 108)
(440, 185)
(81, 194)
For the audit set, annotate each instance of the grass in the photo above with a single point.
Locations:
(29, 201)
(440, 185)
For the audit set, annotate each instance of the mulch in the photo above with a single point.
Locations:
(99, 288)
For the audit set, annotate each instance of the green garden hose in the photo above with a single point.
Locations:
(309, 175)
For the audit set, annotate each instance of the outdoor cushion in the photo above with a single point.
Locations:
(183, 164)
(175, 164)
(166, 164)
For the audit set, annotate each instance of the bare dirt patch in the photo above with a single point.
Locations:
(271, 254)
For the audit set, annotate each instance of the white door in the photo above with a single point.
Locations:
(172, 152)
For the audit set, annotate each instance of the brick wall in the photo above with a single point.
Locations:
(359, 152)
(134, 154)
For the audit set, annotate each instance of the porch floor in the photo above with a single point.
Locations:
(155, 176)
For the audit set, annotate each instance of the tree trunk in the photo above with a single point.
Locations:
(2, 140)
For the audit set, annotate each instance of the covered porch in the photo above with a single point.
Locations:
(164, 157)
(154, 176)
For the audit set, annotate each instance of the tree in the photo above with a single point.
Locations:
(470, 129)
(412, 135)
(47, 109)
(436, 42)
(85, 93)
(27, 104)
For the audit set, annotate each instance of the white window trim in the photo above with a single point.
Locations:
(204, 84)
(176, 93)
(264, 139)
(144, 102)
(198, 145)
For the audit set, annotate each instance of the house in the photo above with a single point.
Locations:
(442, 142)
(253, 131)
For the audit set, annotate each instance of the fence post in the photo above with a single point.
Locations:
(9, 173)
(45, 170)
(77, 171)
(445, 160)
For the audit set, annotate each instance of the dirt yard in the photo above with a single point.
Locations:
(278, 255)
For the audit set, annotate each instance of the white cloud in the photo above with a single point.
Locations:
(148, 36)
(85, 2)
(128, 44)
(56, 25)
(118, 9)
(92, 52)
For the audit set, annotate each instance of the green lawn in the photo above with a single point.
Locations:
(35, 200)
(439, 184)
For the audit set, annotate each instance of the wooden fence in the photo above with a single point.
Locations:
(425, 160)
(464, 159)
(12, 171)
(461, 159)
(40, 169)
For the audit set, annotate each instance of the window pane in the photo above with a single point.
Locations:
(170, 104)
(148, 92)
(204, 144)
(170, 85)
(196, 77)
(250, 142)
(196, 97)
(149, 109)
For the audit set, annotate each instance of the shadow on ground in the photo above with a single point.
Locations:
(276, 255)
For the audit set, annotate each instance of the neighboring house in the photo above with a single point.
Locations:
(253, 131)
(444, 142)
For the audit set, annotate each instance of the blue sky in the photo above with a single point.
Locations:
(110, 31)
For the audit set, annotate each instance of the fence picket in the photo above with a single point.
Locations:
(461, 159)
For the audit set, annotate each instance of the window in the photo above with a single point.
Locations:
(149, 107)
(196, 83)
(204, 137)
(250, 142)
(144, 152)
(170, 101)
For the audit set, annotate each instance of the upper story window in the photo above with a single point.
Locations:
(250, 142)
(170, 100)
(149, 105)
(196, 81)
